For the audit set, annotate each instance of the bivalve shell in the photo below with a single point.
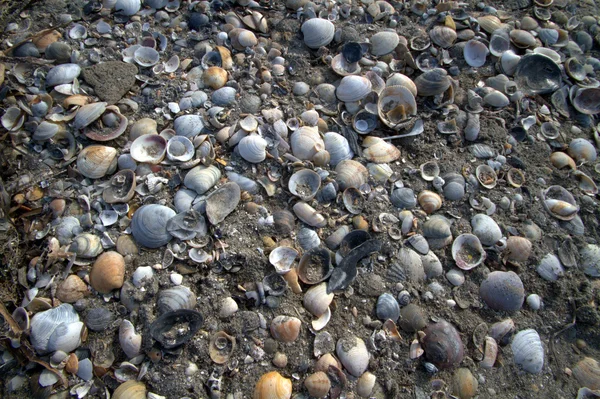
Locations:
(62, 74)
(383, 43)
(304, 184)
(351, 173)
(202, 178)
(379, 150)
(128, 7)
(56, 329)
(550, 268)
(486, 229)
(318, 32)
(273, 385)
(149, 148)
(528, 351)
(108, 272)
(353, 88)
(285, 328)
(353, 354)
(131, 342)
(317, 300)
(149, 225)
(442, 36)
(429, 201)
(132, 389)
(317, 384)
(306, 142)
(396, 104)
(338, 148)
(253, 148)
(309, 215)
(443, 345)
(587, 373)
(503, 291)
(467, 251)
(96, 161)
(590, 260)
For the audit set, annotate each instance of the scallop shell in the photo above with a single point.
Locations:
(318, 32)
(528, 351)
(96, 161)
(202, 178)
(353, 355)
(149, 225)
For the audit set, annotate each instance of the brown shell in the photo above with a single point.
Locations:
(221, 347)
(130, 390)
(429, 201)
(587, 373)
(96, 161)
(273, 385)
(72, 289)
(518, 248)
(317, 384)
(215, 77)
(464, 384)
(108, 272)
(285, 328)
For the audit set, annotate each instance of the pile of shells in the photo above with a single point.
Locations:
(205, 192)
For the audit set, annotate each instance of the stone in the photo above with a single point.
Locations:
(111, 80)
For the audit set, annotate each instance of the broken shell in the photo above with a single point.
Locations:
(56, 329)
(442, 344)
(429, 170)
(587, 100)
(221, 347)
(253, 148)
(318, 32)
(490, 353)
(379, 150)
(315, 266)
(528, 351)
(149, 148)
(130, 390)
(108, 272)
(121, 188)
(188, 323)
(317, 300)
(221, 202)
(130, 342)
(304, 184)
(353, 200)
(317, 384)
(282, 258)
(353, 354)
(503, 291)
(180, 149)
(202, 178)
(273, 385)
(486, 176)
(518, 249)
(285, 328)
(587, 373)
(306, 142)
(429, 201)
(338, 148)
(537, 74)
(149, 225)
(467, 251)
(96, 161)
(353, 88)
(86, 245)
(582, 150)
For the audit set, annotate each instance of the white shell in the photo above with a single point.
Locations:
(486, 229)
(252, 148)
(282, 258)
(590, 260)
(128, 7)
(550, 268)
(188, 125)
(475, 53)
(150, 148)
(353, 88)
(180, 149)
(63, 319)
(62, 74)
(306, 142)
(146, 56)
(202, 178)
(131, 342)
(318, 32)
(338, 148)
(383, 43)
(317, 300)
(528, 351)
(309, 215)
(353, 354)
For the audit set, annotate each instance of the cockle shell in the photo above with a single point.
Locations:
(528, 351)
(96, 161)
(353, 354)
(273, 385)
(108, 272)
(353, 88)
(252, 148)
(318, 32)
(285, 328)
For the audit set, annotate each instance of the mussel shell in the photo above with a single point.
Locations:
(161, 326)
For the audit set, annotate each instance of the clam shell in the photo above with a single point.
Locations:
(486, 229)
(442, 36)
(88, 113)
(149, 225)
(489, 23)
(221, 202)
(582, 150)
(587, 373)
(316, 299)
(429, 201)
(285, 328)
(353, 88)
(149, 148)
(282, 258)
(62, 74)
(242, 38)
(315, 266)
(587, 101)
(221, 347)
(188, 125)
(528, 351)
(308, 238)
(304, 184)
(309, 215)
(387, 307)
(350, 173)
(180, 149)
(175, 298)
(99, 319)
(161, 328)
(590, 260)
(317, 384)
(130, 390)
(518, 249)
(443, 345)
(502, 291)
(127, 7)
(86, 245)
(121, 188)
(108, 272)
(550, 268)
(433, 82)
(202, 178)
(396, 104)
(306, 142)
(383, 43)
(96, 161)
(146, 56)
(380, 151)
(273, 385)
(44, 325)
(317, 32)
(338, 148)
(130, 342)
(467, 251)
(353, 354)
(252, 148)
(486, 176)
(403, 198)
(536, 74)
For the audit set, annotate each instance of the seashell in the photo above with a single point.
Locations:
(96, 161)
(130, 342)
(27, 49)
(587, 373)
(528, 351)
(350, 173)
(187, 321)
(550, 268)
(221, 347)
(486, 176)
(86, 245)
(221, 202)
(149, 225)
(522, 38)
(559, 203)
(252, 148)
(379, 150)
(353, 88)
(187, 225)
(574, 68)
(188, 125)
(442, 36)
(146, 56)
(384, 42)
(338, 148)
(309, 215)
(387, 308)
(308, 239)
(317, 384)
(536, 74)
(306, 142)
(590, 260)
(433, 82)
(317, 300)
(456, 277)
(403, 198)
(180, 149)
(496, 99)
(380, 172)
(489, 23)
(121, 188)
(396, 105)
(215, 77)
(245, 183)
(59, 51)
(467, 251)
(587, 100)
(437, 231)
(442, 344)
(365, 384)
(149, 148)
(282, 258)
(490, 353)
(224, 96)
(285, 328)
(202, 178)
(13, 119)
(353, 200)
(502, 291)
(273, 385)
(518, 249)
(429, 201)
(113, 125)
(561, 160)
(284, 221)
(315, 266)
(486, 229)
(242, 38)
(228, 308)
(71, 289)
(409, 267)
(55, 329)
(499, 43)
(431, 263)
(582, 150)
(132, 389)
(128, 8)
(318, 32)
(176, 298)
(62, 74)
(99, 319)
(419, 243)
(304, 184)
(108, 272)
(509, 62)
(353, 354)
(534, 301)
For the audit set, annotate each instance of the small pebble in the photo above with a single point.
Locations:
(191, 369)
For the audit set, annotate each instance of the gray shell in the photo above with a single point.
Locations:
(187, 225)
(224, 96)
(403, 198)
(188, 125)
(99, 319)
(56, 329)
(318, 32)
(175, 298)
(503, 291)
(186, 199)
(202, 178)
(128, 7)
(149, 225)
(528, 351)
(62, 74)
(338, 148)
(245, 183)
(308, 238)
(408, 267)
(353, 354)
(550, 268)
(486, 229)
(590, 260)
(387, 307)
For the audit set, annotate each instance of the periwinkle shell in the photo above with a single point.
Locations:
(149, 225)
(503, 291)
(387, 307)
(528, 351)
(442, 344)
